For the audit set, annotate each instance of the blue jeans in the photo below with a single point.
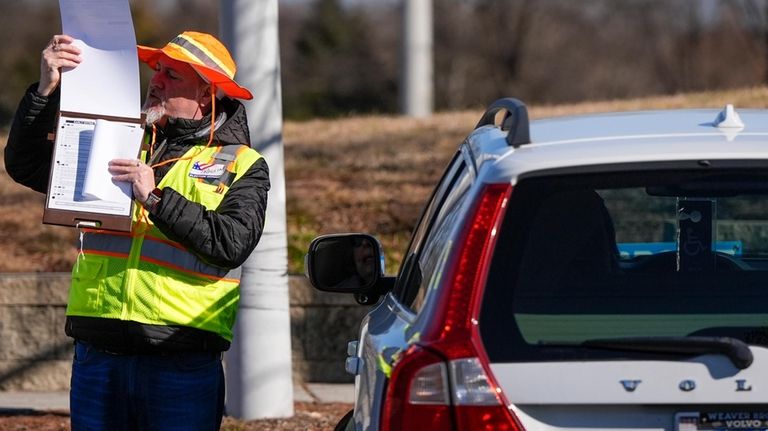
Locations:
(180, 391)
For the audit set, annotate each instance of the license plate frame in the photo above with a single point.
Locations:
(722, 420)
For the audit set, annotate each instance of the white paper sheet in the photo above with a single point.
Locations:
(107, 80)
(111, 140)
(78, 162)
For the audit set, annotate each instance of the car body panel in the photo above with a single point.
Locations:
(714, 378)
(624, 138)
(383, 336)
(648, 124)
(578, 417)
(670, 148)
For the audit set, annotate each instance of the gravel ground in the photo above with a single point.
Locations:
(307, 417)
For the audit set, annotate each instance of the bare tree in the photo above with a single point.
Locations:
(755, 16)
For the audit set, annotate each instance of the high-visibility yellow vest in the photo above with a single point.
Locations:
(145, 277)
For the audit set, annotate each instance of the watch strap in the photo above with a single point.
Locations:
(153, 199)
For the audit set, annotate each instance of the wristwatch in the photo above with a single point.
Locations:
(154, 198)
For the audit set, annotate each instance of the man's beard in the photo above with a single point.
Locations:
(153, 112)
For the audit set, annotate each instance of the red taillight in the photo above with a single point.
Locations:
(450, 358)
(457, 311)
(477, 400)
(425, 393)
(485, 418)
(410, 376)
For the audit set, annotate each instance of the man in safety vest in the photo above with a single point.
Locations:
(151, 311)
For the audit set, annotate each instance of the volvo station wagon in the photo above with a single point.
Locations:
(592, 272)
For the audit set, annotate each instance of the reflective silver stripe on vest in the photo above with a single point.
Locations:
(166, 254)
(107, 243)
(226, 154)
(158, 252)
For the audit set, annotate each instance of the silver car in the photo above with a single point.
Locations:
(593, 272)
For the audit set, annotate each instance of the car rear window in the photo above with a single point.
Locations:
(667, 253)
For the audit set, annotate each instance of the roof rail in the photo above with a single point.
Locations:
(515, 120)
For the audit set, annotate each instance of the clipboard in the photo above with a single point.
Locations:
(64, 204)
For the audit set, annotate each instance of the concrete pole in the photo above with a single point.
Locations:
(258, 366)
(416, 83)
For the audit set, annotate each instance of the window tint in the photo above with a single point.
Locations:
(437, 244)
(413, 273)
(649, 254)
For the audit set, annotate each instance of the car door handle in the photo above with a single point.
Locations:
(352, 348)
(353, 365)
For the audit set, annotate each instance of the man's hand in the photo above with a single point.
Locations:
(133, 171)
(60, 52)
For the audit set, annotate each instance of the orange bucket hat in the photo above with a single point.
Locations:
(206, 55)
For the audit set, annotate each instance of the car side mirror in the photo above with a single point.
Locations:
(346, 263)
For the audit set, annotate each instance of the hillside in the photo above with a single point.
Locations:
(369, 174)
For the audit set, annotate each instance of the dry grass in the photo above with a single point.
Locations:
(373, 174)
(369, 174)
(28, 245)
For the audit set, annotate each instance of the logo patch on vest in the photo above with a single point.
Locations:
(206, 170)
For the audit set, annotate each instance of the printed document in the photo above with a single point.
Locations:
(105, 134)
(80, 180)
(100, 116)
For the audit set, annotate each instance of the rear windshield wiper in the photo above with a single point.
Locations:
(736, 350)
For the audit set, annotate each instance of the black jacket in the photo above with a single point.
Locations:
(224, 237)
